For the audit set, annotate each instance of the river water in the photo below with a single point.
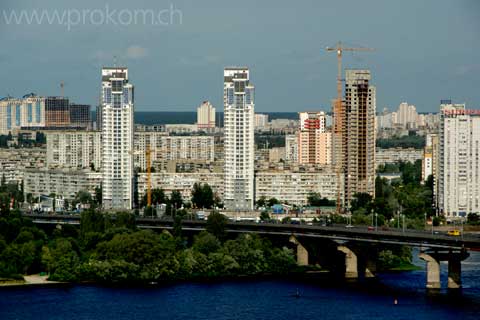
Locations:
(253, 299)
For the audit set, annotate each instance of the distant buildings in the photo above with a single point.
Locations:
(394, 155)
(261, 121)
(78, 149)
(407, 116)
(293, 183)
(359, 134)
(57, 112)
(64, 183)
(14, 161)
(206, 117)
(405, 120)
(291, 147)
(40, 113)
(117, 138)
(182, 182)
(239, 139)
(164, 147)
(314, 143)
(17, 113)
(430, 157)
(459, 161)
(80, 116)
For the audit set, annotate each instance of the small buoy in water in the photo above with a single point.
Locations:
(395, 302)
(297, 294)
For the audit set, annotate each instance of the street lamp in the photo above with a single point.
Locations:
(403, 226)
(376, 224)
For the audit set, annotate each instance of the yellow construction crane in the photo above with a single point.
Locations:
(338, 114)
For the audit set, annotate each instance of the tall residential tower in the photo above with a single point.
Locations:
(206, 116)
(359, 137)
(117, 138)
(238, 97)
(459, 161)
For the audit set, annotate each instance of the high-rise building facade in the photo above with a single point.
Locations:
(79, 149)
(57, 112)
(165, 148)
(80, 116)
(407, 116)
(314, 143)
(359, 134)
(15, 114)
(459, 162)
(206, 116)
(239, 122)
(117, 138)
(291, 147)
(261, 121)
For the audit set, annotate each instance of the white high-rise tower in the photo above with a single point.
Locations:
(117, 138)
(206, 116)
(238, 97)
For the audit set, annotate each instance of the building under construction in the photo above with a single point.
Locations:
(359, 138)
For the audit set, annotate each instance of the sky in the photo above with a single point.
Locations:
(425, 50)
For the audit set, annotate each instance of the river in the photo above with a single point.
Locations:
(253, 299)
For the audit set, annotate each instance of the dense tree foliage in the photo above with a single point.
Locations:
(408, 197)
(202, 196)
(410, 141)
(110, 248)
(316, 200)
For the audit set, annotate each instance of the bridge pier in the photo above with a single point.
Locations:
(433, 271)
(351, 262)
(454, 259)
(454, 273)
(370, 269)
(302, 253)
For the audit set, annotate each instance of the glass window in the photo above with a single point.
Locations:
(38, 112)
(9, 116)
(17, 115)
(30, 113)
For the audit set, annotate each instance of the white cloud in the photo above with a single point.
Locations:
(136, 52)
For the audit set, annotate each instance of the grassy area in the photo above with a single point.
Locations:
(405, 267)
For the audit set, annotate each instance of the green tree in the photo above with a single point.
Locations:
(264, 216)
(473, 219)
(4, 203)
(98, 196)
(202, 196)
(176, 199)
(262, 201)
(272, 201)
(316, 200)
(61, 260)
(206, 243)
(91, 221)
(83, 197)
(216, 225)
(361, 200)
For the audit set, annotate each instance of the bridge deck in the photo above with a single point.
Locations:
(340, 233)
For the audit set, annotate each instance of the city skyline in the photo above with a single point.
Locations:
(300, 62)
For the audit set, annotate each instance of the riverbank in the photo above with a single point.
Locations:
(29, 280)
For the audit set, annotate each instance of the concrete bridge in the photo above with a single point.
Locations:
(355, 244)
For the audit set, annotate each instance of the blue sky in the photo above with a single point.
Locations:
(425, 50)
